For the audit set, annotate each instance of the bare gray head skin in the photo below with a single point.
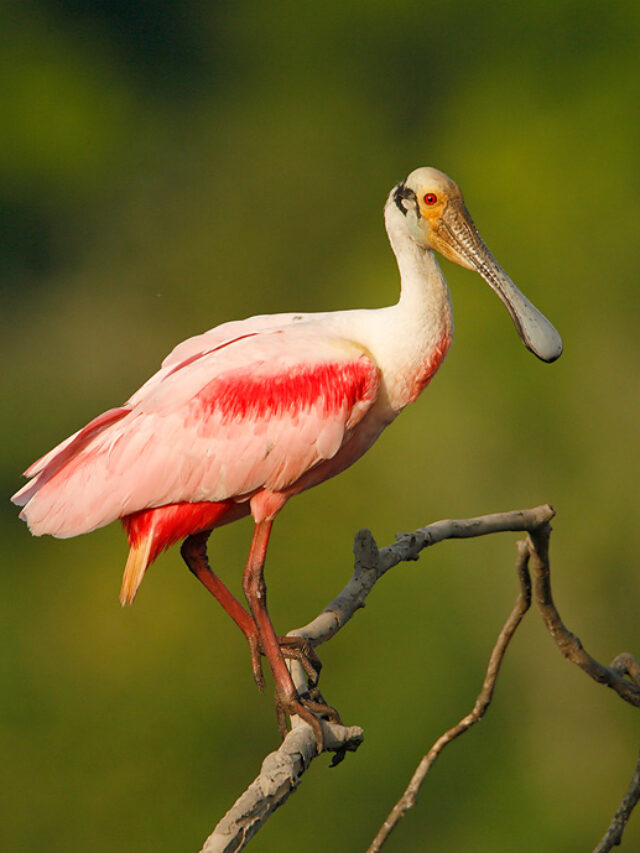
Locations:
(437, 218)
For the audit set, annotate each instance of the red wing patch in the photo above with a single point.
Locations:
(336, 386)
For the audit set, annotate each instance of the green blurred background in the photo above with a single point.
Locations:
(166, 166)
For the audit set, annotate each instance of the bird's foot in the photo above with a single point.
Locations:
(310, 707)
(314, 702)
(292, 648)
(301, 650)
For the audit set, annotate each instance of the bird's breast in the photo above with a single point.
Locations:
(406, 381)
(429, 367)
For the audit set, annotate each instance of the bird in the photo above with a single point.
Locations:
(241, 418)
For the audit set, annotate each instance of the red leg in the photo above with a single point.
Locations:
(287, 699)
(194, 553)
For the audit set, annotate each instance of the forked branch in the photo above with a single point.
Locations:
(282, 770)
(533, 560)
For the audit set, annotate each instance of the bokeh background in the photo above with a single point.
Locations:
(166, 166)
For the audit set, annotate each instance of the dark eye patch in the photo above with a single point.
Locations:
(405, 198)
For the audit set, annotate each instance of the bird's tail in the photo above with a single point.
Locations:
(139, 558)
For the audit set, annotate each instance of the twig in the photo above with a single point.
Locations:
(613, 836)
(408, 799)
(567, 642)
(626, 664)
(371, 563)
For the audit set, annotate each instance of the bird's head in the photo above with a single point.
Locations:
(436, 218)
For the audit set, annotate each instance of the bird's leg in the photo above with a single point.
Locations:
(287, 699)
(194, 553)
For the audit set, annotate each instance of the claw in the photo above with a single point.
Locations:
(338, 756)
(317, 705)
(301, 650)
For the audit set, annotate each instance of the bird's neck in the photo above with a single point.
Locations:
(423, 316)
(424, 304)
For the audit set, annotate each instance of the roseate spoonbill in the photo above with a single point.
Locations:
(242, 417)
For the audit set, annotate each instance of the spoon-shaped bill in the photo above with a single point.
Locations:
(537, 333)
(458, 239)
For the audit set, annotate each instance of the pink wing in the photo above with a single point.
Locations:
(214, 339)
(256, 410)
(190, 349)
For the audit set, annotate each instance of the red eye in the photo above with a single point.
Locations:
(430, 198)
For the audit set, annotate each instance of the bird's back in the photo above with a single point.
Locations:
(250, 405)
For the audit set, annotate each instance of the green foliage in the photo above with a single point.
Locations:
(168, 166)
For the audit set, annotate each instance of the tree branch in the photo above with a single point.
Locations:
(567, 642)
(613, 836)
(534, 556)
(282, 770)
(279, 776)
(371, 563)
